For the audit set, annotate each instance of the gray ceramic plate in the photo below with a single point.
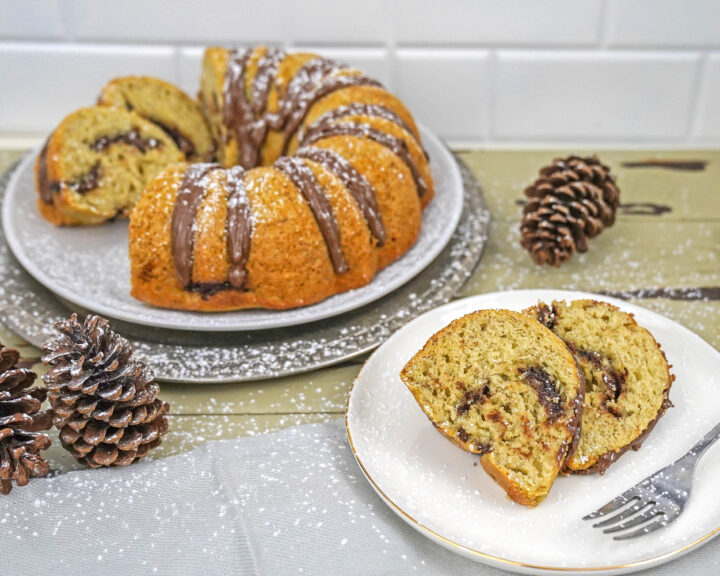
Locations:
(89, 266)
(30, 310)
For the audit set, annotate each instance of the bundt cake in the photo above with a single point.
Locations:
(628, 378)
(499, 384)
(320, 182)
(96, 163)
(167, 106)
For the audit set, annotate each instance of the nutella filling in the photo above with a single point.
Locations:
(88, 181)
(462, 434)
(543, 384)
(132, 138)
(613, 380)
(82, 185)
(547, 316)
(303, 178)
(185, 145)
(361, 190)
(472, 397)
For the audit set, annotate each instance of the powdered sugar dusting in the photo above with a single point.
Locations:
(186, 357)
(68, 260)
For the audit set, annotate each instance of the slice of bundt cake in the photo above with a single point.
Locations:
(96, 163)
(327, 186)
(500, 384)
(167, 106)
(628, 378)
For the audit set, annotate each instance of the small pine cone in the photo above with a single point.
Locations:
(573, 200)
(104, 400)
(20, 424)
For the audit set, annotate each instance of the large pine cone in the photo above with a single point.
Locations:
(573, 200)
(20, 424)
(104, 400)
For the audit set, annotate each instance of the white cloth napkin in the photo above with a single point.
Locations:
(294, 502)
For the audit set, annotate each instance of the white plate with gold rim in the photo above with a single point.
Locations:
(442, 492)
(90, 266)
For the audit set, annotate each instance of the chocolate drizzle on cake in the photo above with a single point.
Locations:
(303, 178)
(301, 103)
(237, 114)
(250, 121)
(191, 193)
(361, 190)
(362, 109)
(264, 78)
(543, 384)
(246, 115)
(239, 226)
(396, 145)
(132, 138)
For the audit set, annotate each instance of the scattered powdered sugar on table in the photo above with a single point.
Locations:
(294, 502)
(288, 503)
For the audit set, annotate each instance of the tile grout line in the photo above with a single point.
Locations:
(700, 88)
(604, 23)
(493, 66)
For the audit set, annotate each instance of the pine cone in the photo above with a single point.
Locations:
(104, 400)
(573, 200)
(20, 424)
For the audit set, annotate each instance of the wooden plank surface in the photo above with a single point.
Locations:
(650, 256)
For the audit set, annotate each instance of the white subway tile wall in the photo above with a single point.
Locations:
(708, 124)
(475, 71)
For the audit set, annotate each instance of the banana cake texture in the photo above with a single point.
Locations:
(500, 384)
(627, 377)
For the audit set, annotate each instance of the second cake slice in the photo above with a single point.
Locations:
(500, 384)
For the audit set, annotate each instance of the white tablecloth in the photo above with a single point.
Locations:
(294, 502)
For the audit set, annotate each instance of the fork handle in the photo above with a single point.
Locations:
(696, 452)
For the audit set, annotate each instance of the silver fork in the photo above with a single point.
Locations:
(658, 500)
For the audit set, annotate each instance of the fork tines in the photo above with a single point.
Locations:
(635, 508)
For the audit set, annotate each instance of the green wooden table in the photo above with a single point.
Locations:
(666, 238)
